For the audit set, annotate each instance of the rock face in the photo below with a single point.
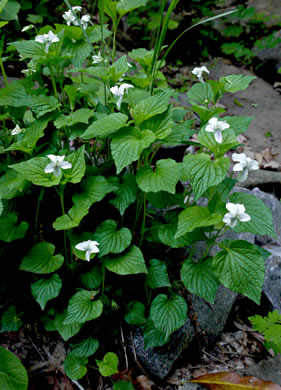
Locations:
(211, 320)
(271, 8)
(271, 57)
(260, 101)
(272, 281)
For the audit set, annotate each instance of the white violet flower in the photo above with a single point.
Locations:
(28, 71)
(77, 8)
(120, 91)
(47, 39)
(85, 20)
(88, 246)
(236, 213)
(199, 71)
(98, 58)
(69, 17)
(17, 130)
(26, 28)
(216, 126)
(244, 165)
(57, 165)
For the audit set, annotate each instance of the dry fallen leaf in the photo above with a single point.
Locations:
(233, 381)
(144, 383)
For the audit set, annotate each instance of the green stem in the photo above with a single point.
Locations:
(37, 211)
(103, 283)
(115, 26)
(53, 80)
(144, 219)
(3, 72)
(61, 194)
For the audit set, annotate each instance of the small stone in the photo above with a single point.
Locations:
(272, 281)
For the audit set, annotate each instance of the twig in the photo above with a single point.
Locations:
(221, 361)
(42, 357)
(135, 355)
(124, 346)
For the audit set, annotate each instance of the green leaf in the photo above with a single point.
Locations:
(123, 385)
(240, 267)
(42, 104)
(143, 56)
(77, 171)
(32, 134)
(75, 367)
(163, 178)
(157, 276)
(194, 217)
(29, 49)
(40, 259)
(236, 82)
(152, 336)
(33, 170)
(10, 11)
(10, 230)
(166, 234)
(125, 6)
(104, 127)
(2, 4)
(78, 50)
(74, 216)
(200, 93)
(208, 139)
(13, 95)
(94, 189)
(11, 320)
(167, 314)
(118, 69)
(129, 263)
(135, 314)
(66, 330)
(261, 218)
(151, 106)
(46, 289)
(92, 279)
(13, 375)
(238, 124)
(127, 145)
(109, 365)
(81, 115)
(82, 308)
(181, 132)
(203, 172)
(126, 193)
(85, 348)
(110, 239)
(161, 124)
(110, 9)
(199, 278)
(12, 184)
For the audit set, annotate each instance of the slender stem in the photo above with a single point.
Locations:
(115, 26)
(103, 283)
(61, 194)
(144, 219)
(37, 210)
(3, 72)
(53, 80)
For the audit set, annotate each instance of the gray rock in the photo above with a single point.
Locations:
(159, 361)
(191, 386)
(210, 320)
(271, 56)
(268, 370)
(270, 8)
(272, 281)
